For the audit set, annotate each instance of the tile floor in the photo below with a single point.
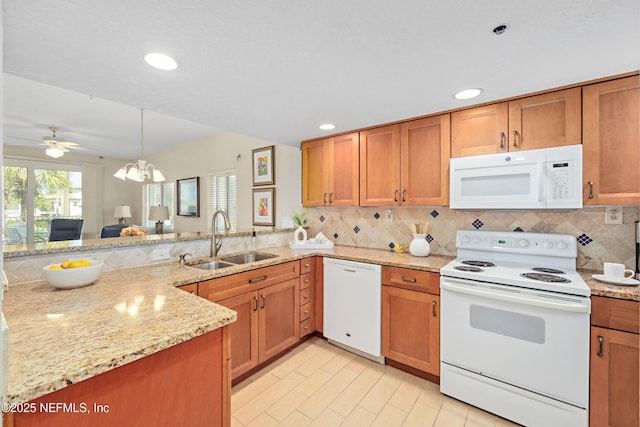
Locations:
(318, 384)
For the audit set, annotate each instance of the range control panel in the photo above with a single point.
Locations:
(564, 245)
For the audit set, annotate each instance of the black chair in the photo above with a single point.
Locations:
(65, 229)
(112, 230)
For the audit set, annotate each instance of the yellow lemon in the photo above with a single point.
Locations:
(80, 263)
(65, 264)
(55, 267)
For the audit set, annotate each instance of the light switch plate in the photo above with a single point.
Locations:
(389, 215)
(160, 254)
(613, 215)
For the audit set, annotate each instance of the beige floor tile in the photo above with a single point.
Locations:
(283, 367)
(246, 391)
(382, 391)
(295, 419)
(479, 418)
(267, 398)
(314, 405)
(263, 420)
(447, 418)
(236, 423)
(341, 359)
(390, 416)
(315, 362)
(290, 402)
(359, 364)
(359, 417)
(344, 403)
(421, 415)
(327, 418)
(431, 396)
(407, 393)
(501, 422)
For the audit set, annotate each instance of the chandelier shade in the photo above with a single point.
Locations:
(140, 170)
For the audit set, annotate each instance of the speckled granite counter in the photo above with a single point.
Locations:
(612, 291)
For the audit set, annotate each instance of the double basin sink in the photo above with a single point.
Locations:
(232, 260)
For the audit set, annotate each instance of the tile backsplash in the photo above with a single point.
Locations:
(368, 227)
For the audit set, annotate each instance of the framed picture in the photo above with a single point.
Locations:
(264, 166)
(188, 196)
(264, 206)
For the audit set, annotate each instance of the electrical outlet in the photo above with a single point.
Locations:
(389, 215)
(160, 254)
(613, 215)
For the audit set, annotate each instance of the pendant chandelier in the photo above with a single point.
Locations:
(141, 170)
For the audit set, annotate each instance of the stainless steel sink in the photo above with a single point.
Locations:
(247, 258)
(212, 265)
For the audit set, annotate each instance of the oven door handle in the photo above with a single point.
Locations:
(565, 304)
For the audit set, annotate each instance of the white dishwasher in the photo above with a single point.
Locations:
(352, 307)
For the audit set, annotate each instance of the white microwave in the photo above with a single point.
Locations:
(550, 178)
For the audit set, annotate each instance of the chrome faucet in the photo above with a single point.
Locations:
(215, 244)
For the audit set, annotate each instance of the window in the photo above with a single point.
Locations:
(222, 195)
(34, 194)
(161, 193)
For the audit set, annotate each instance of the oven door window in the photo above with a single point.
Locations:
(508, 323)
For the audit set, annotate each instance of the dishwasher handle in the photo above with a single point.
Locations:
(564, 304)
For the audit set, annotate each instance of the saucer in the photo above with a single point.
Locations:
(627, 281)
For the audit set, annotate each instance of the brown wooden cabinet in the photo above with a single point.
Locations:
(307, 293)
(611, 139)
(615, 349)
(330, 172)
(541, 121)
(411, 318)
(406, 164)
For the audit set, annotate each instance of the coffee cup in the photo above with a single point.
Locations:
(616, 271)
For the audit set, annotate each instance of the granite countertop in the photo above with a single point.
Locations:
(59, 337)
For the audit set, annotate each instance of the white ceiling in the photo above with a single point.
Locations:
(277, 69)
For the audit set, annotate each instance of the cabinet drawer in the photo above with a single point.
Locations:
(305, 311)
(306, 265)
(306, 280)
(421, 281)
(305, 328)
(305, 296)
(192, 288)
(614, 313)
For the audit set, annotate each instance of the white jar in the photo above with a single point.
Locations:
(300, 235)
(419, 245)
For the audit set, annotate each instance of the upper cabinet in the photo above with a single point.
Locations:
(406, 164)
(611, 142)
(541, 121)
(330, 171)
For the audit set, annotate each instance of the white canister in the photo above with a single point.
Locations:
(419, 245)
(300, 235)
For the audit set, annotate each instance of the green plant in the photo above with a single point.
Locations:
(299, 219)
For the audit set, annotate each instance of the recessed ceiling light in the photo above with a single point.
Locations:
(468, 93)
(327, 126)
(161, 61)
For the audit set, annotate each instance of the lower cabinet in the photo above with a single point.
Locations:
(615, 349)
(411, 318)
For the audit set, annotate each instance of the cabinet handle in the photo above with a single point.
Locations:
(395, 195)
(305, 296)
(591, 189)
(433, 309)
(259, 279)
(404, 193)
(306, 312)
(255, 300)
(324, 198)
(330, 197)
(503, 138)
(601, 346)
(515, 138)
(408, 279)
(264, 301)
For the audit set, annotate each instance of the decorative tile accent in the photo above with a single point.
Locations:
(518, 229)
(477, 223)
(335, 235)
(391, 245)
(376, 215)
(584, 240)
(434, 213)
(322, 218)
(356, 229)
(429, 238)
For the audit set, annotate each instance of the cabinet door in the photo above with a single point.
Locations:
(411, 328)
(611, 142)
(543, 121)
(614, 384)
(425, 148)
(344, 176)
(279, 318)
(244, 332)
(315, 172)
(481, 130)
(380, 166)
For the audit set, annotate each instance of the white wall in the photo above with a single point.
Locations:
(220, 152)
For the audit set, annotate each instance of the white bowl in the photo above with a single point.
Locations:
(70, 278)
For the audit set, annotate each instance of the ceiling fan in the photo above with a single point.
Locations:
(57, 146)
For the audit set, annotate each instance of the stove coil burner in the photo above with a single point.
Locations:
(549, 278)
(468, 268)
(548, 270)
(479, 263)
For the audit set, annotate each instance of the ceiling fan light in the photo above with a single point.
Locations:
(157, 176)
(54, 152)
(133, 174)
(121, 174)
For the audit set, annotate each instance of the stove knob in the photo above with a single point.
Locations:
(562, 245)
(547, 244)
(466, 239)
(476, 240)
(523, 243)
